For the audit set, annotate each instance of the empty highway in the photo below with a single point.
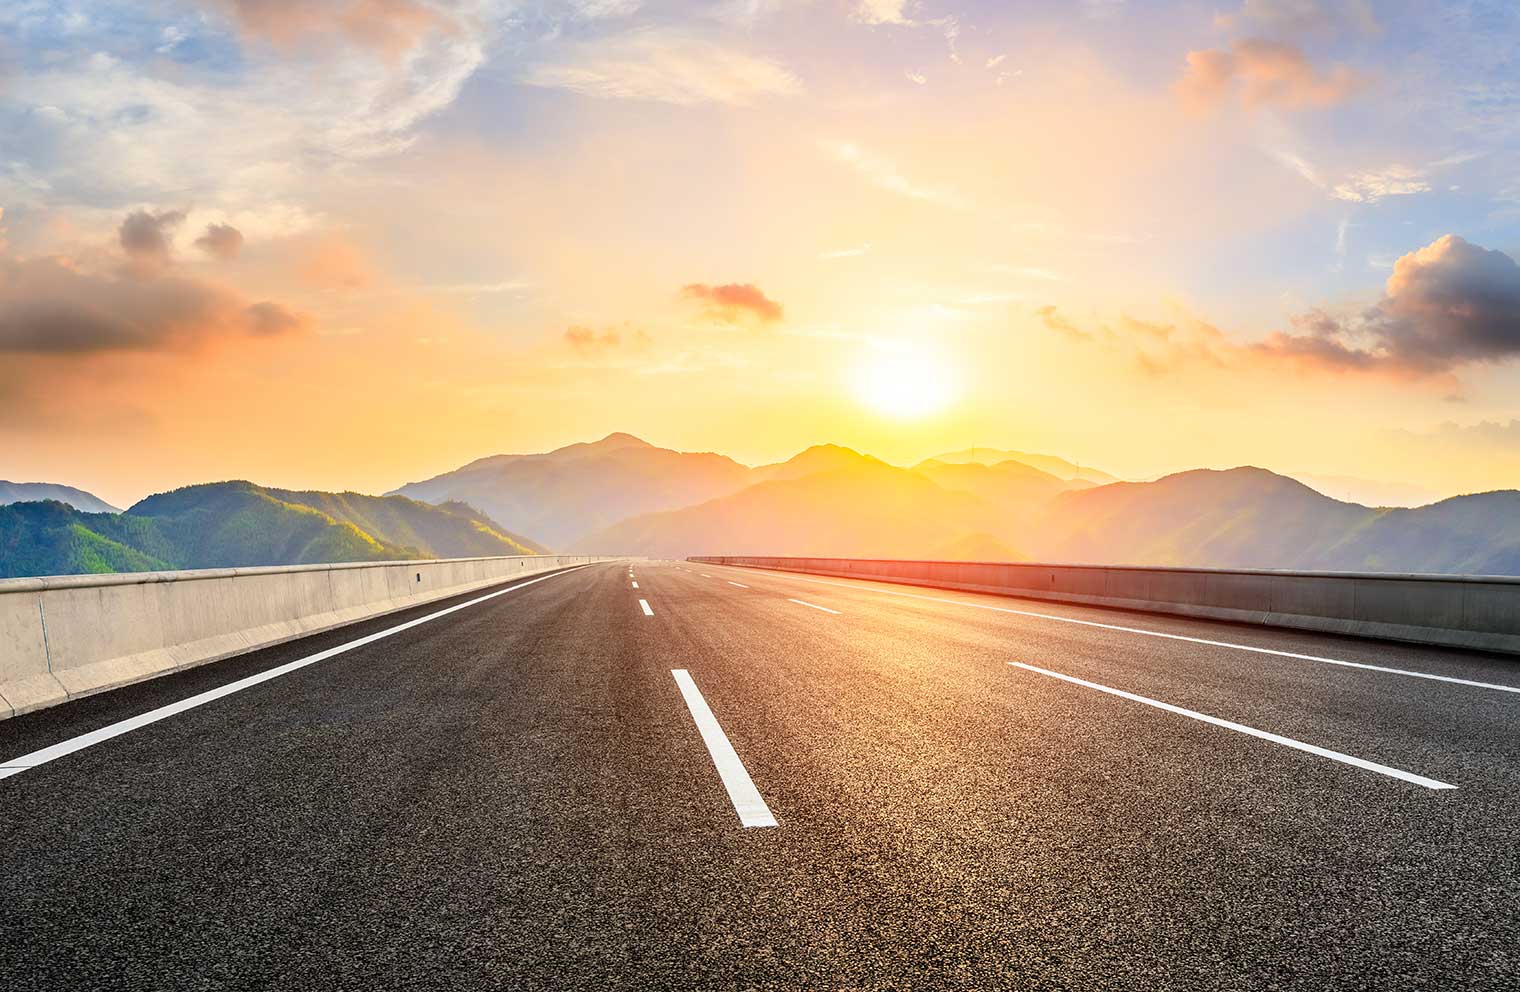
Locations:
(671, 775)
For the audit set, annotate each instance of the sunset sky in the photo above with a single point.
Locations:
(349, 244)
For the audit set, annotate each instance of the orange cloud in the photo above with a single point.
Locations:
(388, 27)
(1265, 73)
(586, 341)
(1447, 305)
(1156, 348)
(732, 302)
(1055, 321)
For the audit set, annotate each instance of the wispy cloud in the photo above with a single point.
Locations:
(883, 174)
(1374, 185)
(588, 342)
(507, 286)
(882, 12)
(100, 132)
(1025, 271)
(1298, 165)
(664, 65)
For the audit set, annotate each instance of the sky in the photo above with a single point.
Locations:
(346, 244)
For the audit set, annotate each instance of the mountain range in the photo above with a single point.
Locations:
(227, 524)
(579, 495)
(624, 495)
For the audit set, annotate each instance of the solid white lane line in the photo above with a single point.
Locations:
(739, 584)
(813, 606)
(1171, 637)
(741, 790)
(1240, 728)
(644, 603)
(41, 757)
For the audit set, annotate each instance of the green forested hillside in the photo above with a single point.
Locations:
(228, 524)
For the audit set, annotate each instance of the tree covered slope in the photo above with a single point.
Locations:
(227, 524)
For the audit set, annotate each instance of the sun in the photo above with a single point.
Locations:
(904, 384)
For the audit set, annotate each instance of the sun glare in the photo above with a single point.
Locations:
(902, 384)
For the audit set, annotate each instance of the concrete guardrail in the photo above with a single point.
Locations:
(67, 636)
(1478, 612)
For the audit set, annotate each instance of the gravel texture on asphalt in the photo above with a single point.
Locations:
(515, 796)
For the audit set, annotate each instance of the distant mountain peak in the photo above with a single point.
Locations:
(826, 451)
(1049, 464)
(25, 492)
(1243, 474)
(618, 439)
(819, 458)
(612, 443)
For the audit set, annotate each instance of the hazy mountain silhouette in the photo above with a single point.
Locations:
(818, 458)
(1252, 518)
(26, 492)
(565, 494)
(1010, 484)
(857, 506)
(1243, 517)
(977, 547)
(240, 524)
(1368, 492)
(624, 495)
(1050, 464)
(1475, 535)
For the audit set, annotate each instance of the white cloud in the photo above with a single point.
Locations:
(1026, 272)
(883, 174)
(595, 10)
(1296, 163)
(663, 65)
(882, 12)
(107, 133)
(917, 77)
(510, 287)
(170, 38)
(1374, 185)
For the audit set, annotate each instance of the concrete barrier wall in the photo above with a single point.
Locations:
(1479, 612)
(67, 636)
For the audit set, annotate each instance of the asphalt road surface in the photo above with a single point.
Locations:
(732, 779)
